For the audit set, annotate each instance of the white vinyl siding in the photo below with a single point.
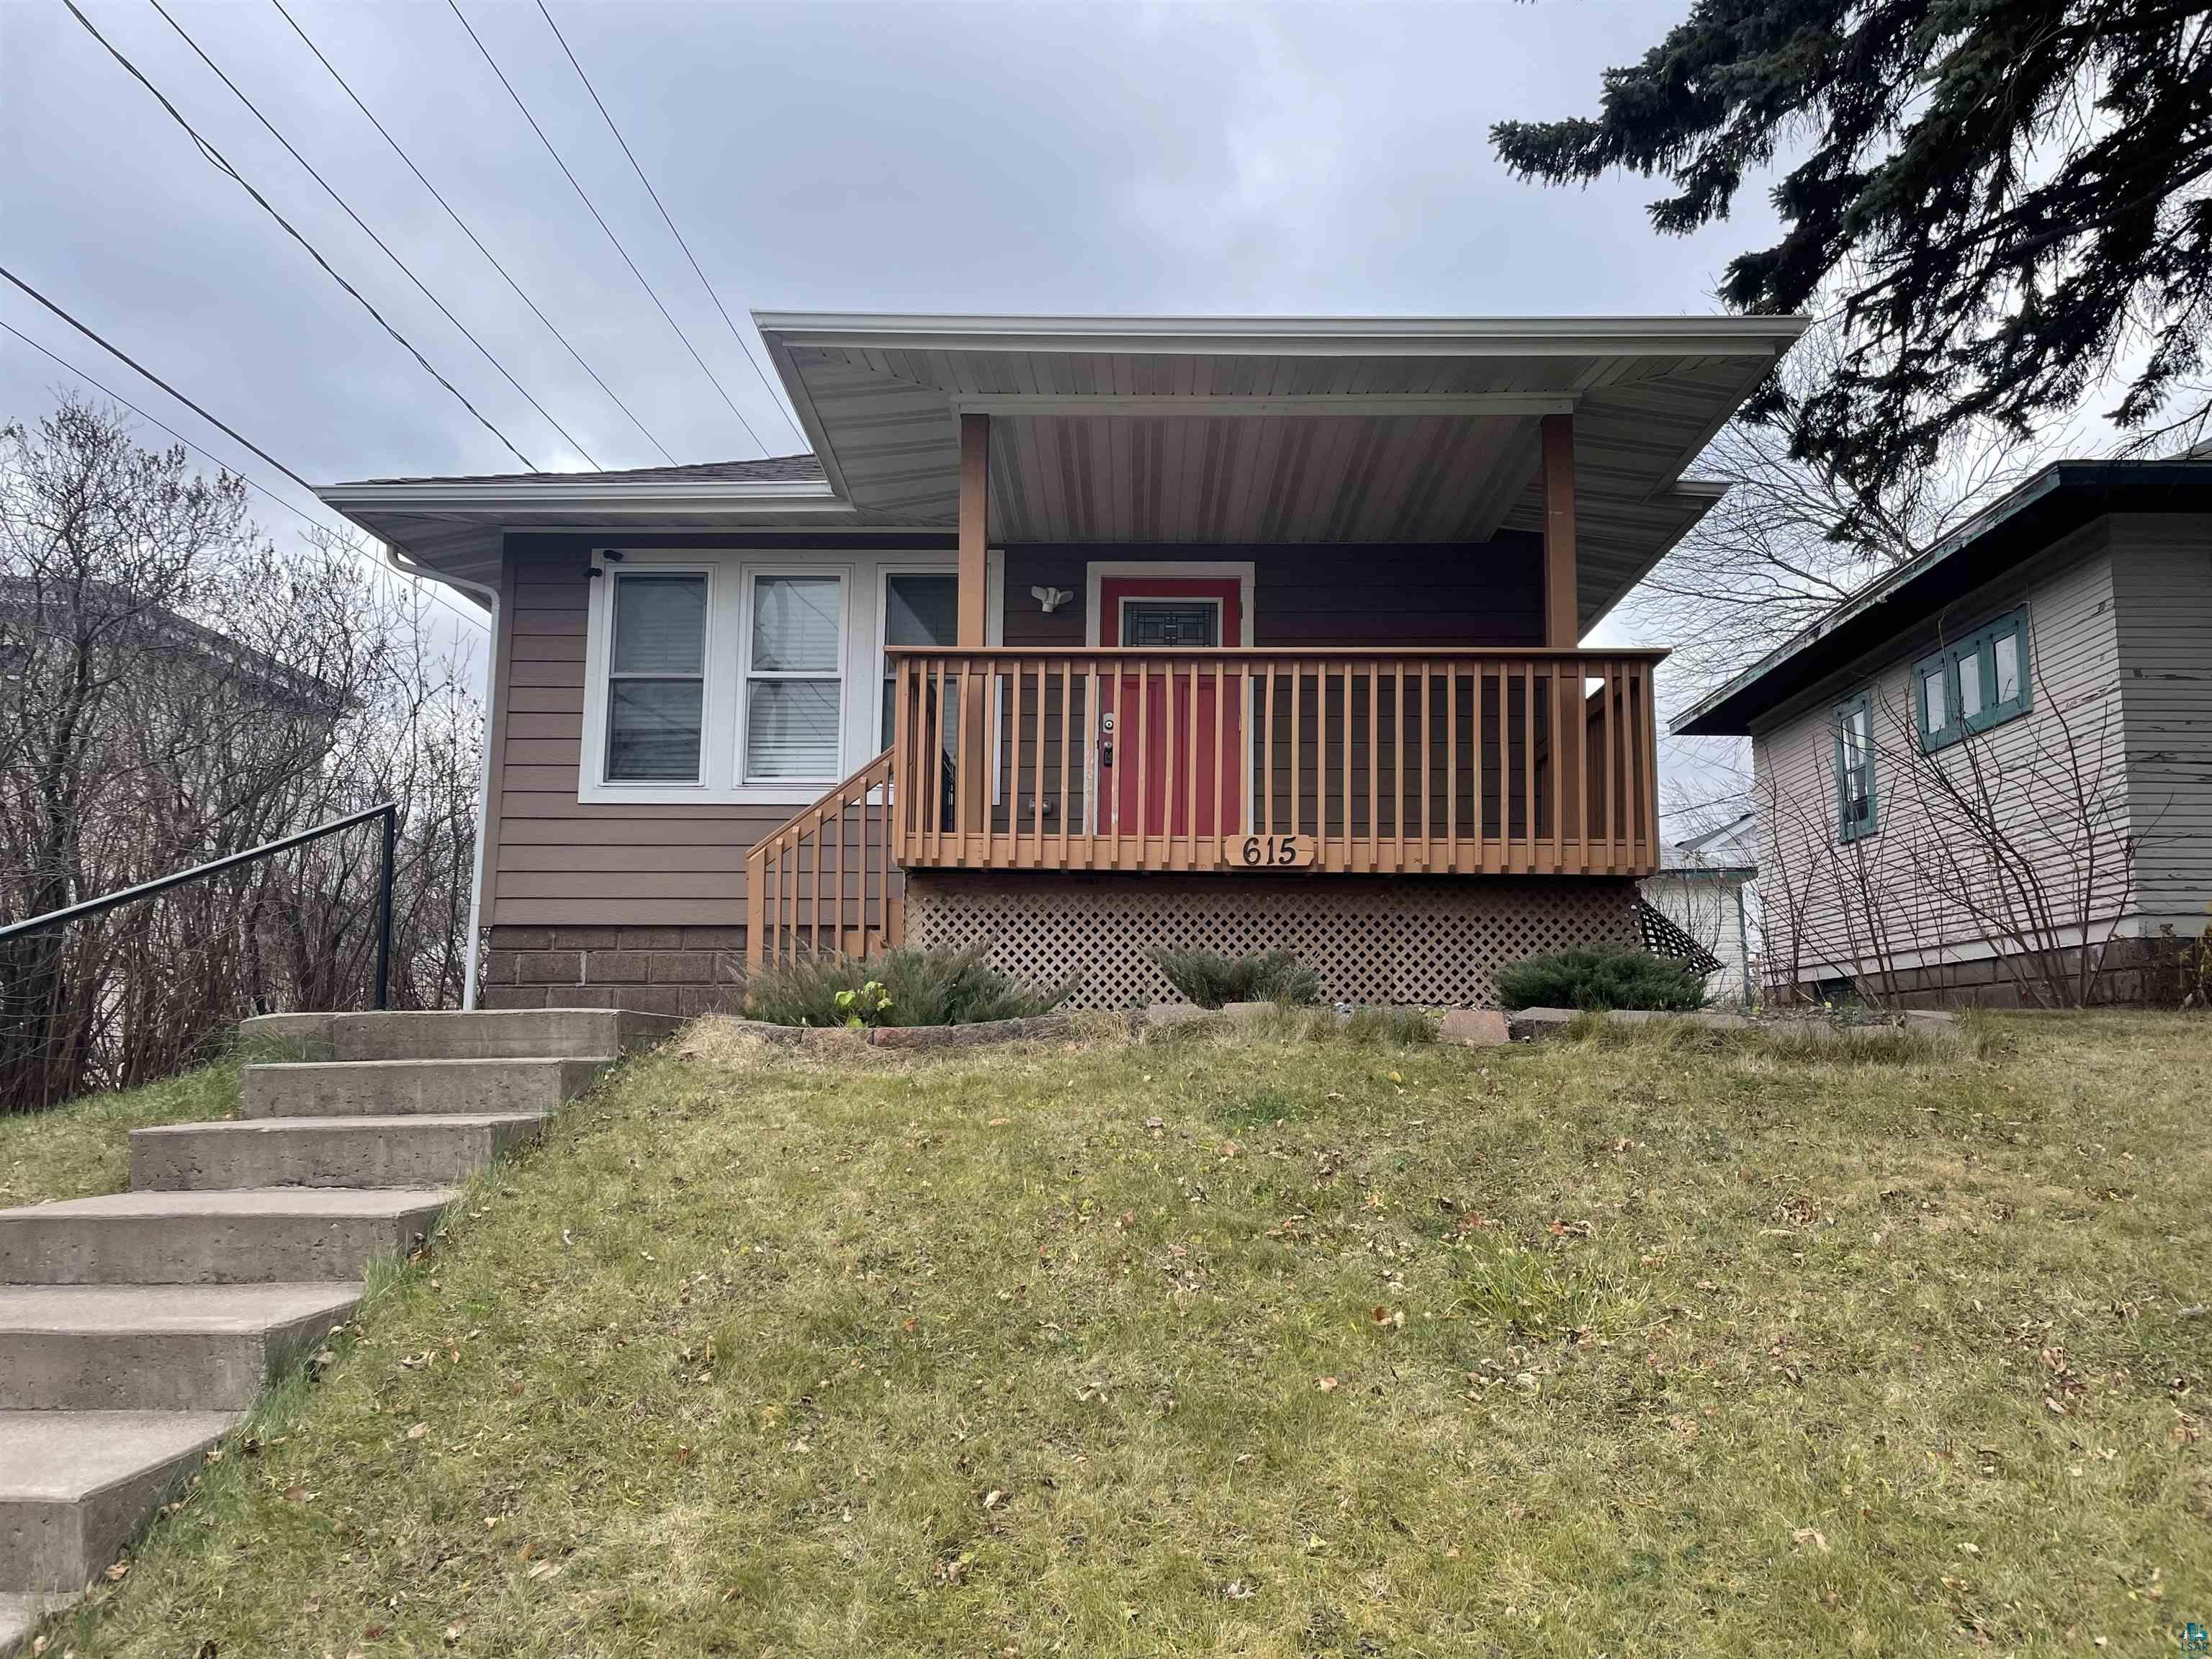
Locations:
(2162, 588)
(1918, 892)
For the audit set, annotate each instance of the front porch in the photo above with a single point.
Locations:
(1212, 756)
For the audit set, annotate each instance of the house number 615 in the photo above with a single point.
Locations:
(1266, 852)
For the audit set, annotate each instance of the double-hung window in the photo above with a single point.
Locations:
(1977, 682)
(793, 686)
(1856, 813)
(920, 607)
(657, 677)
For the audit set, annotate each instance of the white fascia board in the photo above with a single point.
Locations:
(658, 498)
(1298, 335)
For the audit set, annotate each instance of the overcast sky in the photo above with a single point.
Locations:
(1326, 159)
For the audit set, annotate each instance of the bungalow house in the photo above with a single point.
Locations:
(1073, 638)
(1987, 777)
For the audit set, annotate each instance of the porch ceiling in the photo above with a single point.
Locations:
(1180, 432)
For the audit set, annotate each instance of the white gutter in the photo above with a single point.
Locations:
(1304, 335)
(588, 496)
(491, 596)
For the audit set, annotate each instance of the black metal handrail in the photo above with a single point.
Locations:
(389, 812)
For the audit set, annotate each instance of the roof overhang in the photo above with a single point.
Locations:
(1189, 430)
(2058, 500)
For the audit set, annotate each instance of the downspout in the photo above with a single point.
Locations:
(490, 596)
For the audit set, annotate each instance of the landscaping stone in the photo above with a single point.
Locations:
(1040, 1028)
(1167, 1016)
(1532, 1024)
(1930, 1019)
(1251, 1013)
(1474, 1028)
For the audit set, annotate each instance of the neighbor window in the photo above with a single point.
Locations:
(1855, 811)
(794, 693)
(1980, 682)
(656, 679)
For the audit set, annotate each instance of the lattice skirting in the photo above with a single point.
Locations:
(1371, 939)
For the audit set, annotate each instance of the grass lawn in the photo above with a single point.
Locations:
(84, 1146)
(1628, 1344)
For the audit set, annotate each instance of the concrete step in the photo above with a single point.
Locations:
(288, 1234)
(415, 1150)
(489, 1033)
(76, 1486)
(20, 1611)
(386, 1088)
(164, 1347)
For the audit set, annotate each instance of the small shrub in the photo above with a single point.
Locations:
(900, 987)
(1601, 978)
(1213, 980)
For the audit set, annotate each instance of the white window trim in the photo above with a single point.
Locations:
(1098, 570)
(729, 572)
(597, 660)
(750, 573)
(927, 565)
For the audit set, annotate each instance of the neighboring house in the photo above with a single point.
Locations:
(1077, 638)
(1987, 778)
(1705, 888)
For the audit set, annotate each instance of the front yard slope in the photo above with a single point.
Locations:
(1631, 1344)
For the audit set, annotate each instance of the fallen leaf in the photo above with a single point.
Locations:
(417, 1430)
(1812, 1535)
(118, 1571)
(295, 1494)
(1326, 1384)
(993, 1498)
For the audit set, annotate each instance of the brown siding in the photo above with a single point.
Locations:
(553, 861)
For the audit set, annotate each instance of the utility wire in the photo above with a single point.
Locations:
(469, 234)
(215, 158)
(482, 350)
(430, 588)
(611, 237)
(774, 397)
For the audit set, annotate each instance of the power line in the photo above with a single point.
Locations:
(308, 519)
(611, 237)
(347, 208)
(469, 234)
(774, 397)
(149, 375)
(215, 159)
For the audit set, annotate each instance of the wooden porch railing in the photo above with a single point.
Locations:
(824, 881)
(1495, 761)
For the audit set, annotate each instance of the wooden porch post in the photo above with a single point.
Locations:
(973, 796)
(1563, 632)
(1562, 629)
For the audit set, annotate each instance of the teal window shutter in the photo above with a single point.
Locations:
(1980, 682)
(1856, 811)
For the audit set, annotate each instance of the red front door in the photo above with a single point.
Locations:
(1159, 749)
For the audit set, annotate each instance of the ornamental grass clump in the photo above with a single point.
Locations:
(1213, 980)
(1601, 978)
(903, 986)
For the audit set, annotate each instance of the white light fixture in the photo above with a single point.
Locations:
(1052, 598)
